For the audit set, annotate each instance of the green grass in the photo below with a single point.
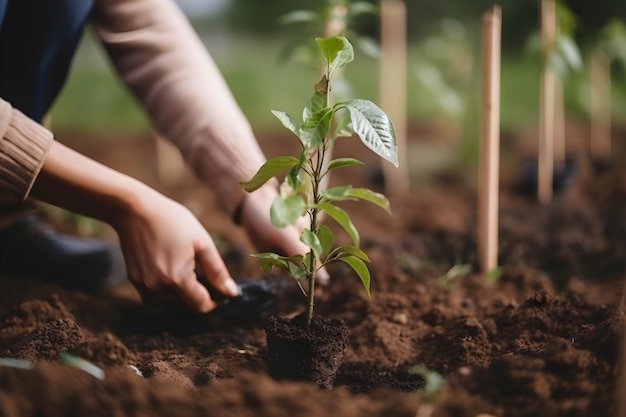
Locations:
(95, 101)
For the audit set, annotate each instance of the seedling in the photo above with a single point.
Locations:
(82, 364)
(434, 383)
(459, 270)
(334, 17)
(301, 193)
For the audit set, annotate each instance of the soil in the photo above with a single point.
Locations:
(541, 338)
(296, 352)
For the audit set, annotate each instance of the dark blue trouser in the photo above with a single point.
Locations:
(38, 39)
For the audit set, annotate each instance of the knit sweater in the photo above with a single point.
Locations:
(163, 62)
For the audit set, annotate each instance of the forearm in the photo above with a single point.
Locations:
(162, 60)
(82, 185)
(161, 240)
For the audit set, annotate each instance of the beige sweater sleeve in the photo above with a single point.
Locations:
(160, 57)
(23, 147)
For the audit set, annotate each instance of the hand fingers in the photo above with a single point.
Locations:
(193, 294)
(215, 271)
(322, 277)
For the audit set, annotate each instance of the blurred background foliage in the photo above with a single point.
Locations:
(519, 17)
(247, 39)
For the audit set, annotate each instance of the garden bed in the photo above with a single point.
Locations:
(543, 339)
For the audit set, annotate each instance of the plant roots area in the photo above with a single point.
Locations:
(539, 337)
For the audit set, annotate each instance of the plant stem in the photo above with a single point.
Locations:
(317, 176)
(311, 275)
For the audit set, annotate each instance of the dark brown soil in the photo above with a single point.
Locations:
(542, 340)
(296, 352)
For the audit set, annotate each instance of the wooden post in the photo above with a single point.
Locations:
(545, 160)
(560, 144)
(600, 80)
(393, 87)
(490, 141)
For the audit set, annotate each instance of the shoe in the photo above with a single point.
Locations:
(31, 248)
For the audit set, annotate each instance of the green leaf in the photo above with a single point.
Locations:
(296, 177)
(458, 270)
(343, 162)
(314, 129)
(16, 363)
(298, 16)
(342, 218)
(347, 192)
(373, 127)
(434, 382)
(268, 170)
(81, 364)
(341, 125)
(298, 271)
(337, 51)
(267, 260)
(326, 238)
(288, 121)
(344, 251)
(371, 196)
(361, 269)
(368, 46)
(312, 241)
(493, 275)
(287, 210)
(338, 193)
(570, 53)
(362, 7)
(316, 104)
(567, 21)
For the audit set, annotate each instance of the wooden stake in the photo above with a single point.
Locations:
(545, 160)
(560, 144)
(600, 79)
(490, 142)
(393, 86)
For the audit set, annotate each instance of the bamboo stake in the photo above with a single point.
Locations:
(490, 141)
(600, 78)
(545, 162)
(393, 64)
(560, 145)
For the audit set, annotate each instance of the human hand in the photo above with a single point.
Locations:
(162, 243)
(255, 218)
(161, 240)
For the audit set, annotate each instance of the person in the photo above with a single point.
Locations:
(160, 58)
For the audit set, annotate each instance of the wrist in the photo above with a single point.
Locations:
(134, 199)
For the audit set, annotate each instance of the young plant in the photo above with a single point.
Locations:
(301, 193)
